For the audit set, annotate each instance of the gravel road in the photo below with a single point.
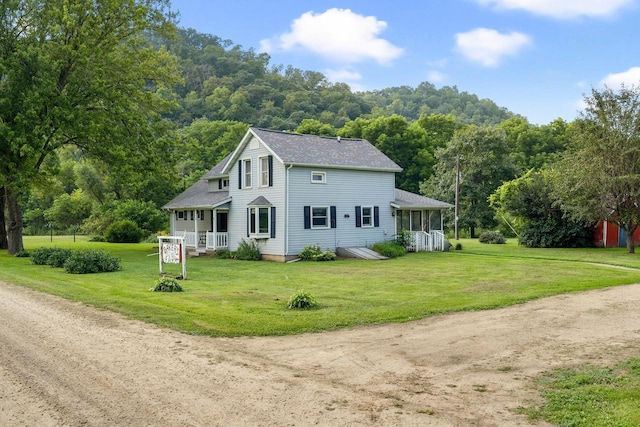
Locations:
(68, 364)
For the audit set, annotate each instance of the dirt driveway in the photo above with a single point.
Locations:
(63, 363)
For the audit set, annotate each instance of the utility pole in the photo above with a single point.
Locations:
(457, 235)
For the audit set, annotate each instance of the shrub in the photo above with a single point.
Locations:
(97, 239)
(248, 251)
(458, 247)
(22, 254)
(315, 253)
(389, 249)
(492, 237)
(39, 256)
(91, 261)
(404, 238)
(166, 284)
(301, 300)
(54, 257)
(123, 231)
(309, 252)
(224, 254)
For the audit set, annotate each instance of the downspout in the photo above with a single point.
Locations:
(286, 212)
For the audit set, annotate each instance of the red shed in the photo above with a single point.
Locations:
(609, 235)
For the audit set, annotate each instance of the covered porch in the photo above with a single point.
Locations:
(203, 229)
(422, 217)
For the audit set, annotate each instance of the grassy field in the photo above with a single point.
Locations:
(234, 298)
(589, 396)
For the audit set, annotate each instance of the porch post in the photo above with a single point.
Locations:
(172, 227)
(196, 220)
(214, 227)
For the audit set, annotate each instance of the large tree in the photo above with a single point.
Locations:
(485, 163)
(78, 72)
(599, 175)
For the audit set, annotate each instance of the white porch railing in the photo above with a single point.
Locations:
(217, 240)
(427, 242)
(205, 239)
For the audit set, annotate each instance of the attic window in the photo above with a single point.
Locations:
(254, 144)
(318, 177)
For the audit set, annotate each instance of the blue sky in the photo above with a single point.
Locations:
(537, 58)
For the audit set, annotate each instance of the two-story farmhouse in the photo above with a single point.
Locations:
(286, 191)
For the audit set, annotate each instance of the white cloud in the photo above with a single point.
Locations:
(338, 35)
(488, 47)
(629, 78)
(342, 75)
(435, 76)
(562, 9)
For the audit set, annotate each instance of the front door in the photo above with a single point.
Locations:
(221, 221)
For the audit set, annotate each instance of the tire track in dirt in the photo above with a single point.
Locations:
(67, 364)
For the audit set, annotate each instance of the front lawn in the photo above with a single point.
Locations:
(233, 298)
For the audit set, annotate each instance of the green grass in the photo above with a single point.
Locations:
(590, 396)
(233, 298)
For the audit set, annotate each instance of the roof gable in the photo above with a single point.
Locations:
(313, 150)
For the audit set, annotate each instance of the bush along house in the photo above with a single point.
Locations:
(286, 191)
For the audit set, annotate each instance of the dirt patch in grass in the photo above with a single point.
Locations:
(68, 364)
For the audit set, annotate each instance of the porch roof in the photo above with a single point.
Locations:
(407, 200)
(198, 196)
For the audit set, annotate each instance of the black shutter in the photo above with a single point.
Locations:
(376, 216)
(273, 222)
(307, 217)
(239, 174)
(270, 163)
(248, 223)
(334, 223)
(220, 184)
(358, 216)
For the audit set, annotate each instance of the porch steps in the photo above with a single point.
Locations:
(362, 253)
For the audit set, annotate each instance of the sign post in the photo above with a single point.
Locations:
(172, 251)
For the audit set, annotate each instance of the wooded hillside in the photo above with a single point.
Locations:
(223, 81)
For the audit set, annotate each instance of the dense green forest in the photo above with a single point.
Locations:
(224, 89)
(224, 82)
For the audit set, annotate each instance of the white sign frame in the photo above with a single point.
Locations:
(172, 250)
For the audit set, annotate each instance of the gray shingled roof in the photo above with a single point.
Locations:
(198, 195)
(405, 199)
(313, 150)
(260, 201)
(216, 171)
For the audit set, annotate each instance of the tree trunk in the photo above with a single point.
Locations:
(472, 231)
(3, 224)
(631, 245)
(14, 229)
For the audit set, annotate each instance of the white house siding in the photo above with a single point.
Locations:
(240, 199)
(344, 189)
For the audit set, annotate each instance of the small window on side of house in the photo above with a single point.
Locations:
(367, 216)
(318, 177)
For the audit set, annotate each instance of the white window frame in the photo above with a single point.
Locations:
(322, 175)
(326, 216)
(225, 183)
(363, 216)
(254, 215)
(264, 171)
(247, 175)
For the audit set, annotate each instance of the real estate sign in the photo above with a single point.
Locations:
(172, 251)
